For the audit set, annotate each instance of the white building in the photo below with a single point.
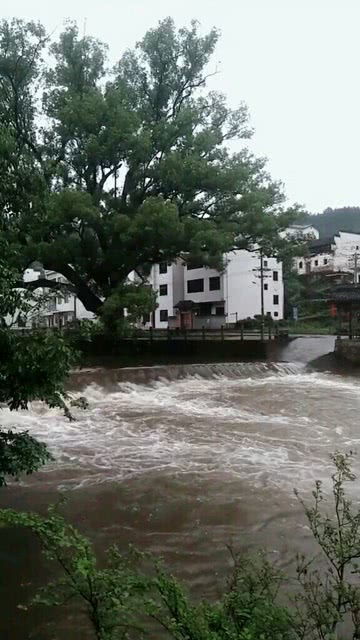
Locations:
(58, 308)
(63, 307)
(303, 231)
(195, 296)
(187, 295)
(334, 256)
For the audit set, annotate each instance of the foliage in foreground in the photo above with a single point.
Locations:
(123, 599)
(32, 367)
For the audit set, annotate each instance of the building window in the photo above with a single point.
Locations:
(275, 276)
(163, 267)
(276, 314)
(220, 311)
(266, 286)
(265, 263)
(163, 315)
(276, 299)
(325, 261)
(214, 283)
(163, 289)
(205, 309)
(59, 300)
(194, 265)
(316, 263)
(195, 286)
(357, 247)
(300, 264)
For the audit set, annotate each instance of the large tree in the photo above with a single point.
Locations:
(105, 172)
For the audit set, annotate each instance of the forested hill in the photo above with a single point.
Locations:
(334, 220)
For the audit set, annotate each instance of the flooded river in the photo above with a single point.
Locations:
(182, 466)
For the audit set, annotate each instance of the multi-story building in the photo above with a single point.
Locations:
(193, 296)
(188, 295)
(63, 307)
(55, 308)
(337, 257)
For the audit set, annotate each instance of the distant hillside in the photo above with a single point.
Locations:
(334, 220)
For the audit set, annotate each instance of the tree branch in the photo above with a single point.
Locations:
(46, 284)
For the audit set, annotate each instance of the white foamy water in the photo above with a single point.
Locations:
(270, 429)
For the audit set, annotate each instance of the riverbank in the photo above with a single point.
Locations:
(348, 351)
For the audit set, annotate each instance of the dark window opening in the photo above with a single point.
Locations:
(163, 267)
(163, 315)
(194, 265)
(265, 263)
(205, 309)
(214, 283)
(163, 289)
(357, 247)
(275, 276)
(325, 261)
(300, 264)
(276, 299)
(276, 314)
(220, 311)
(195, 286)
(316, 263)
(266, 286)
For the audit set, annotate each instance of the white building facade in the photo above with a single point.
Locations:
(63, 307)
(303, 231)
(187, 295)
(337, 255)
(57, 309)
(212, 298)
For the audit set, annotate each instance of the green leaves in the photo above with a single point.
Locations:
(32, 367)
(20, 453)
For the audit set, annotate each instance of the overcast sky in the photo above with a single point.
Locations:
(294, 62)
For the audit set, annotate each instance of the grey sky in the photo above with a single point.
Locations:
(294, 62)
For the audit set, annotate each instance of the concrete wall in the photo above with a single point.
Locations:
(348, 350)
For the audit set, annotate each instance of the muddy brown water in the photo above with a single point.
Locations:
(182, 462)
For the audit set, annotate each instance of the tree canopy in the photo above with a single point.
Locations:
(331, 221)
(106, 171)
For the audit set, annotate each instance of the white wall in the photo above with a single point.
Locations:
(345, 246)
(299, 231)
(205, 275)
(340, 258)
(243, 287)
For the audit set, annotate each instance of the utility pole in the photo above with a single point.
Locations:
(356, 268)
(261, 277)
(262, 292)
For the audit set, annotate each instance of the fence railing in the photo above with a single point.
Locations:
(223, 333)
(270, 332)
